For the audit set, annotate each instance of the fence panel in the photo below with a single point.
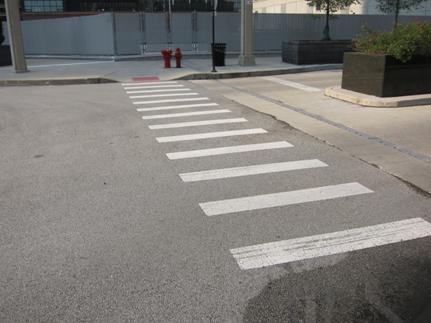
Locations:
(128, 33)
(156, 31)
(86, 35)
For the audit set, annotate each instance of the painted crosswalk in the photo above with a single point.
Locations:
(171, 100)
(163, 95)
(140, 87)
(158, 91)
(196, 123)
(229, 150)
(274, 253)
(207, 135)
(172, 95)
(175, 107)
(149, 83)
(251, 170)
(283, 199)
(185, 114)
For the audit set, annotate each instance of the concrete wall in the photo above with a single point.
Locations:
(135, 33)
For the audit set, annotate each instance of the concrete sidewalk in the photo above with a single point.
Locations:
(72, 71)
(394, 140)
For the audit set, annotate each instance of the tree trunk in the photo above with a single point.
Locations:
(326, 35)
(397, 13)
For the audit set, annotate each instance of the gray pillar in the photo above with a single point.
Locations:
(246, 58)
(15, 35)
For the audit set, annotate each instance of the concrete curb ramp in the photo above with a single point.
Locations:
(376, 102)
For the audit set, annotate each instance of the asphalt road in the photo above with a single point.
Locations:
(96, 225)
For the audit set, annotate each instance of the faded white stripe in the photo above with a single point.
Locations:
(157, 91)
(295, 85)
(196, 123)
(152, 87)
(149, 83)
(171, 100)
(185, 114)
(162, 95)
(251, 170)
(207, 135)
(228, 150)
(280, 252)
(184, 106)
(282, 199)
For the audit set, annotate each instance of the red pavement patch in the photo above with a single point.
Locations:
(145, 78)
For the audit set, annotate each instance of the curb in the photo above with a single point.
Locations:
(230, 75)
(376, 102)
(95, 80)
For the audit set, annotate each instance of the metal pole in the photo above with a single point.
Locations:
(15, 36)
(213, 36)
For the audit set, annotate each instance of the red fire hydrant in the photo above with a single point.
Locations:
(167, 54)
(178, 56)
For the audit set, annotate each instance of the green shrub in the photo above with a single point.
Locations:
(404, 42)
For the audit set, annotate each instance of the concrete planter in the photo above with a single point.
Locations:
(302, 52)
(385, 76)
(5, 57)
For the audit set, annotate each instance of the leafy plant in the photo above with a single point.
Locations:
(330, 7)
(404, 42)
(394, 7)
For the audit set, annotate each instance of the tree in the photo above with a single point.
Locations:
(394, 7)
(330, 7)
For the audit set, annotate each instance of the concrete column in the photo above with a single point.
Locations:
(246, 57)
(15, 35)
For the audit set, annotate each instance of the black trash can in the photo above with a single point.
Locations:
(219, 53)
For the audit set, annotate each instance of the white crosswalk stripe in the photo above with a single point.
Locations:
(196, 123)
(228, 150)
(158, 91)
(172, 100)
(183, 106)
(280, 252)
(185, 114)
(283, 199)
(162, 95)
(207, 135)
(149, 83)
(251, 170)
(140, 87)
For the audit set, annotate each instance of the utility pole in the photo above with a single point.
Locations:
(15, 35)
(213, 35)
(246, 58)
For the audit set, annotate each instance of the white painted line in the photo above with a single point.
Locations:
(184, 106)
(295, 85)
(157, 91)
(282, 199)
(185, 114)
(228, 150)
(162, 95)
(152, 87)
(70, 64)
(251, 170)
(280, 252)
(149, 83)
(196, 123)
(207, 135)
(171, 100)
